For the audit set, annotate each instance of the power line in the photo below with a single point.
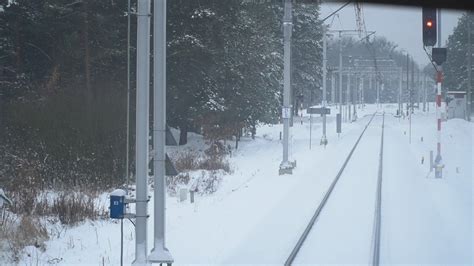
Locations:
(337, 10)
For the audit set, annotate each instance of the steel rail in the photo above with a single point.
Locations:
(378, 206)
(302, 238)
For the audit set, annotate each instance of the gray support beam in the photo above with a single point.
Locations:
(142, 112)
(419, 91)
(423, 89)
(381, 89)
(469, 65)
(340, 73)
(377, 85)
(348, 96)
(439, 28)
(286, 167)
(370, 83)
(400, 88)
(354, 94)
(408, 78)
(359, 90)
(324, 140)
(160, 253)
(333, 88)
(361, 86)
(362, 93)
(412, 88)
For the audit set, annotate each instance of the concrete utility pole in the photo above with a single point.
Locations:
(359, 93)
(324, 140)
(370, 83)
(469, 66)
(333, 88)
(348, 96)
(376, 86)
(286, 167)
(419, 91)
(412, 90)
(142, 111)
(340, 73)
(354, 100)
(408, 77)
(362, 92)
(400, 92)
(423, 88)
(381, 89)
(160, 253)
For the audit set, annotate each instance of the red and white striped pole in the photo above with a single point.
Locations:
(438, 161)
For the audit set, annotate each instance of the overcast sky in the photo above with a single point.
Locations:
(398, 24)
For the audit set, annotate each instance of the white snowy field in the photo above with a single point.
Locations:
(257, 216)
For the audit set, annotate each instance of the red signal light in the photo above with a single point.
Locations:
(429, 26)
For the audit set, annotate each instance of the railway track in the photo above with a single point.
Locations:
(376, 228)
(378, 206)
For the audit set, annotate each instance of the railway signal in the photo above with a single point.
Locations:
(439, 55)
(431, 19)
(429, 26)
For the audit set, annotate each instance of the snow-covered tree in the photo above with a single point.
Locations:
(456, 66)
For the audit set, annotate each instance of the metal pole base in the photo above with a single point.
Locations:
(439, 171)
(438, 167)
(141, 263)
(161, 255)
(286, 168)
(324, 141)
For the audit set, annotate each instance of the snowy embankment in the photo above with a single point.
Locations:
(427, 220)
(256, 216)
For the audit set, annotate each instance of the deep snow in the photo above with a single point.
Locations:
(257, 216)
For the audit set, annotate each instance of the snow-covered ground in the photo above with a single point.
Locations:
(257, 216)
(343, 232)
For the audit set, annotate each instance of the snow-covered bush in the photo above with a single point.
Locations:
(187, 160)
(18, 232)
(72, 208)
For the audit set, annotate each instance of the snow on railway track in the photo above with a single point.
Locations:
(348, 230)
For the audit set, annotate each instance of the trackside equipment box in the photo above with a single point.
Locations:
(117, 204)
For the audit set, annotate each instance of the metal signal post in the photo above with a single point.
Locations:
(439, 79)
(160, 253)
(142, 117)
(438, 160)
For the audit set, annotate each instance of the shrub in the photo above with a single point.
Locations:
(186, 161)
(72, 208)
(28, 232)
(207, 183)
(214, 159)
(173, 182)
(215, 163)
(217, 148)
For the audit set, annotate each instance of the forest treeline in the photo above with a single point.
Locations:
(457, 63)
(63, 80)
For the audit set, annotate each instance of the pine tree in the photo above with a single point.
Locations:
(307, 54)
(456, 66)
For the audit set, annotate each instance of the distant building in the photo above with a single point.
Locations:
(456, 104)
